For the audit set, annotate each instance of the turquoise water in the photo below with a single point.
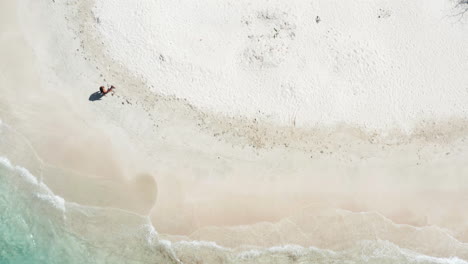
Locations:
(36, 226)
(39, 227)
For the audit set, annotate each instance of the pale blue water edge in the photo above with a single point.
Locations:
(37, 226)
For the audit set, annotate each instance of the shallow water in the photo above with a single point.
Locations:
(38, 226)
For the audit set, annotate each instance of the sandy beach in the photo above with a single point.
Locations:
(247, 125)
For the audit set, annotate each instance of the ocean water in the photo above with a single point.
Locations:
(37, 226)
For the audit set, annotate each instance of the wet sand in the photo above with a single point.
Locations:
(200, 174)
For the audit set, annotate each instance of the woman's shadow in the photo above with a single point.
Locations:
(96, 96)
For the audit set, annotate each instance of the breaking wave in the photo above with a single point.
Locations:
(38, 226)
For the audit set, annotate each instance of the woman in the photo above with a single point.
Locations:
(104, 90)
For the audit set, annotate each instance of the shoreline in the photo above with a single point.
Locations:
(189, 153)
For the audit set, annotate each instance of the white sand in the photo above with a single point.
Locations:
(276, 151)
(374, 64)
